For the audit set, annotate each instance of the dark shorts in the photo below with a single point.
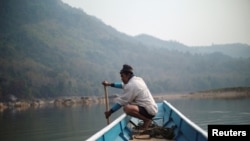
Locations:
(145, 113)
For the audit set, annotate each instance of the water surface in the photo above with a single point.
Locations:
(78, 123)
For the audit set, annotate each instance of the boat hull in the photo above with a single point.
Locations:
(167, 116)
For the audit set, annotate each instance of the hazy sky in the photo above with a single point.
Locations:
(191, 22)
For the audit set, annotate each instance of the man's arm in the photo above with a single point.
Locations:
(114, 108)
(115, 84)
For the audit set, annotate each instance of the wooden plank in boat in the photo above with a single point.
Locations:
(147, 138)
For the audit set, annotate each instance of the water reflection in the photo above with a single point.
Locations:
(52, 123)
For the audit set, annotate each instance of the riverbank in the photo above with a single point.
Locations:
(227, 93)
(66, 101)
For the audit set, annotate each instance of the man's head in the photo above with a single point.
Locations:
(126, 73)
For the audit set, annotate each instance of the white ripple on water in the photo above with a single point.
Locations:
(245, 113)
(219, 112)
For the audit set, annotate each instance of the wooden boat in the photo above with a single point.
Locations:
(168, 116)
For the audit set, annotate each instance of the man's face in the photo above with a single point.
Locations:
(124, 78)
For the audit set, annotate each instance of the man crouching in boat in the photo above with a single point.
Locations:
(136, 99)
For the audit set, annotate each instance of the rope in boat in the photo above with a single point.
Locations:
(154, 131)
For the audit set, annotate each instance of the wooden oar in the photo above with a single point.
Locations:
(106, 101)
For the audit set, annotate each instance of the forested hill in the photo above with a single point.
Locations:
(50, 49)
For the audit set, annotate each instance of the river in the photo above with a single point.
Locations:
(79, 122)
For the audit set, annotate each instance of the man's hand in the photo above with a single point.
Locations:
(105, 83)
(107, 114)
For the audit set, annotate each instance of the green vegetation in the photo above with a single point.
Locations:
(49, 49)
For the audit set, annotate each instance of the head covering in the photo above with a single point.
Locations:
(126, 69)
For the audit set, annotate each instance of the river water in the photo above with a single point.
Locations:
(79, 122)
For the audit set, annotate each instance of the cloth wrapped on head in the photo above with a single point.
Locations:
(126, 69)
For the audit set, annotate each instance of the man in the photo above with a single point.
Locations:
(136, 99)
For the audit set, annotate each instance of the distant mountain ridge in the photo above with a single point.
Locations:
(234, 50)
(49, 49)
